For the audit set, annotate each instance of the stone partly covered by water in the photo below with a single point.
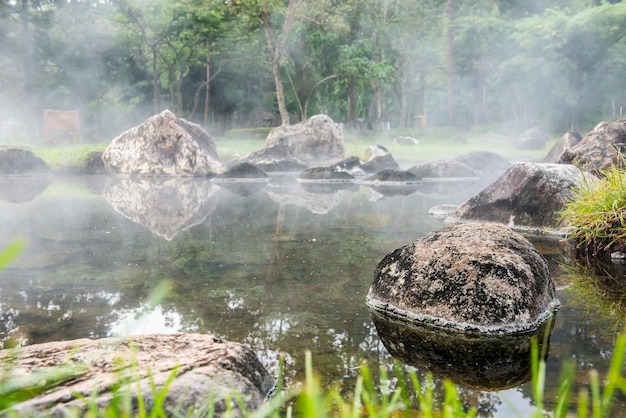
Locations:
(482, 278)
(163, 145)
(318, 140)
(19, 161)
(204, 367)
(527, 195)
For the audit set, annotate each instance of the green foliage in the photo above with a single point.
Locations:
(597, 212)
(556, 64)
(410, 397)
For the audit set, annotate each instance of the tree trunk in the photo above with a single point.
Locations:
(30, 116)
(156, 93)
(450, 72)
(207, 89)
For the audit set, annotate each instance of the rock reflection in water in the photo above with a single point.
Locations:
(20, 189)
(290, 192)
(164, 205)
(483, 362)
(243, 188)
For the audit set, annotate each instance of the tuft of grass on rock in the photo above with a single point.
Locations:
(597, 214)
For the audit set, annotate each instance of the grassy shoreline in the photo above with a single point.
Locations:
(436, 143)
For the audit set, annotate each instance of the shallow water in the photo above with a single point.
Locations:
(275, 266)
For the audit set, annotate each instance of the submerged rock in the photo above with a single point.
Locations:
(163, 145)
(482, 278)
(203, 366)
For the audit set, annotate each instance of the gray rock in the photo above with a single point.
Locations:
(442, 169)
(567, 142)
(318, 140)
(405, 140)
(378, 158)
(163, 145)
(325, 174)
(604, 146)
(441, 212)
(532, 138)
(19, 161)
(392, 175)
(242, 171)
(484, 162)
(204, 367)
(482, 278)
(526, 195)
(351, 165)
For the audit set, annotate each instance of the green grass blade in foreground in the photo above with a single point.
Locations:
(11, 252)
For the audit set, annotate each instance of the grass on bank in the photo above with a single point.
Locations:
(434, 143)
(597, 213)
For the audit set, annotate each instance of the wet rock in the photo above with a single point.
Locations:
(378, 158)
(325, 174)
(281, 165)
(599, 149)
(567, 142)
(242, 171)
(483, 362)
(21, 162)
(204, 367)
(351, 165)
(163, 145)
(441, 212)
(532, 138)
(481, 278)
(442, 169)
(392, 175)
(318, 140)
(527, 195)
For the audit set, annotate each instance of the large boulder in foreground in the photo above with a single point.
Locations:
(527, 195)
(599, 149)
(316, 141)
(482, 278)
(163, 145)
(204, 367)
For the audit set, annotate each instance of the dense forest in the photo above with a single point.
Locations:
(556, 64)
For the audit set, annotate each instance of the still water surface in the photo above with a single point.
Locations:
(275, 266)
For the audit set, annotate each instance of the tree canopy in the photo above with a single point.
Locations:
(557, 64)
